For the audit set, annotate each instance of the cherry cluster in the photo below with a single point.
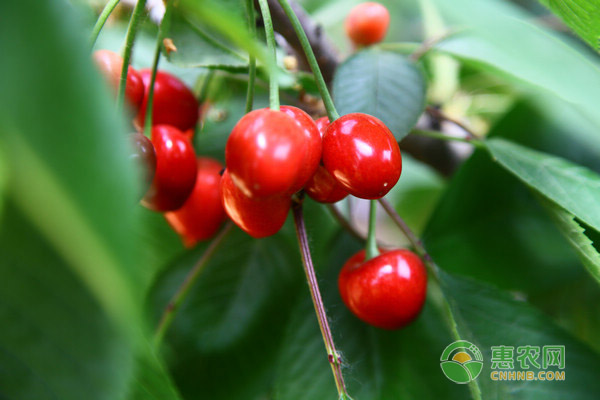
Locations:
(181, 185)
(272, 155)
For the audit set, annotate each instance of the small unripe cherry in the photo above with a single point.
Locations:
(202, 213)
(258, 217)
(110, 65)
(176, 168)
(367, 23)
(387, 291)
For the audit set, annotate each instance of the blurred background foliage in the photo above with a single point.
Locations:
(85, 272)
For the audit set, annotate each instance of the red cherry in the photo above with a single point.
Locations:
(110, 65)
(264, 153)
(202, 214)
(387, 291)
(258, 217)
(144, 156)
(175, 169)
(367, 23)
(363, 155)
(323, 187)
(313, 145)
(173, 103)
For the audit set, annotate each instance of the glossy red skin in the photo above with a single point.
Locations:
(367, 23)
(363, 155)
(202, 213)
(175, 170)
(173, 102)
(387, 291)
(323, 187)
(258, 217)
(264, 153)
(144, 156)
(312, 149)
(110, 65)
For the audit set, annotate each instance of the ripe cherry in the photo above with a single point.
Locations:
(367, 23)
(313, 145)
(110, 65)
(173, 103)
(323, 187)
(363, 155)
(144, 157)
(264, 153)
(175, 169)
(387, 291)
(202, 213)
(258, 217)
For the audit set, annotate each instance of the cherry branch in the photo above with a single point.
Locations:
(332, 354)
(173, 306)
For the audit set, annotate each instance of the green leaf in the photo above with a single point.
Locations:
(56, 341)
(575, 234)
(196, 48)
(151, 380)
(582, 16)
(70, 303)
(488, 317)
(575, 188)
(496, 37)
(383, 84)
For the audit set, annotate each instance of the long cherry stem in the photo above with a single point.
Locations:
(134, 22)
(162, 32)
(312, 60)
(106, 11)
(252, 59)
(173, 306)
(270, 36)
(332, 354)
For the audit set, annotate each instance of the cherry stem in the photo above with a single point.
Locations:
(332, 354)
(134, 22)
(438, 135)
(270, 36)
(441, 116)
(162, 32)
(312, 60)
(106, 11)
(252, 59)
(371, 249)
(174, 304)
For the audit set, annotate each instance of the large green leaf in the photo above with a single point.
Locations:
(497, 37)
(71, 293)
(487, 317)
(575, 188)
(56, 342)
(575, 234)
(583, 16)
(383, 84)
